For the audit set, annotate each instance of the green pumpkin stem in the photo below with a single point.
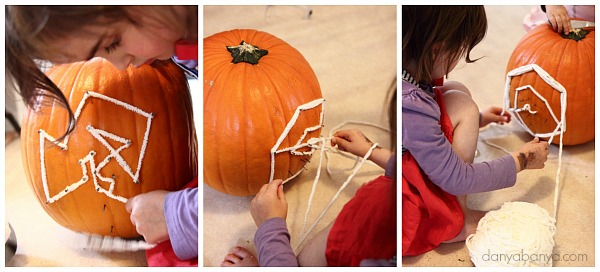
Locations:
(577, 34)
(246, 52)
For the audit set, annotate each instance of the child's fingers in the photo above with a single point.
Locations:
(129, 205)
(341, 143)
(333, 141)
(341, 133)
(272, 187)
(280, 193)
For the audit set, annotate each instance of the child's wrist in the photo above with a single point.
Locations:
(520, 161)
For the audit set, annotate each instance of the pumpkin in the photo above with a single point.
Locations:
(253, 84)
(570, 61)
(134, 133)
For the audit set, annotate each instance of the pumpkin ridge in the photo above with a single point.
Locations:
(237, 72)
(277, 94)
(64, 209)
(212, 98)
(244, 129)
(221, 156)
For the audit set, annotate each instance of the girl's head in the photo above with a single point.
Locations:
(435, 38)
(124, 35)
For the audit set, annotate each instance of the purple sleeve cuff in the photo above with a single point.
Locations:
(181, 214)
(272, 241)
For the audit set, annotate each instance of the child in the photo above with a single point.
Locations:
(558, 16)
(364, 233)
(440, 130)
(124, 35)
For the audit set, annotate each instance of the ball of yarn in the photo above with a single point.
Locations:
(518, 234)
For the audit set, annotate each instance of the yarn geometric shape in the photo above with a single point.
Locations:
(96, 166)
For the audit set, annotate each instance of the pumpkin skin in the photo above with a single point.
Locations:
(169, 159)
(246, 108)
(572, 64)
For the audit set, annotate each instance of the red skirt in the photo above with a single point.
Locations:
(366, 227)
(430, 216)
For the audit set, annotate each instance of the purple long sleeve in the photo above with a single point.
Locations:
(272, 241)
(423, 137)
(181, 213)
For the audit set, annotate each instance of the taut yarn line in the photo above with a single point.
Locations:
(317, 144)
(520, 233)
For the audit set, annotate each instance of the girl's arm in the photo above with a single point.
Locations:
(423, 137)
(272, 239)
(181, 213)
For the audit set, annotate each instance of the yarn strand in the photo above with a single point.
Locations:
(520, 228)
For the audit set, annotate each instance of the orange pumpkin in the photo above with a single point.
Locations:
(570, 61)
(134, 133)
(253, 84)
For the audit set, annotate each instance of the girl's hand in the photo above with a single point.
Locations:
(494, 114)
(532, 155)
(269, 203)
(358, 144)
(148, 215)
(559, 18)
(352, 141)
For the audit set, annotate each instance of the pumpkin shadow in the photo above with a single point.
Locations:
(20, 260)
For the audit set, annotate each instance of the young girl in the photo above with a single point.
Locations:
(124, 35)
(364, 232)
(440, 129)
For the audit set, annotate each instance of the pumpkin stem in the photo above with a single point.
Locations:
(577, 34)
(246, 52)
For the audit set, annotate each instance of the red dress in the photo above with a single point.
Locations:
(430, 216)
(366, 228)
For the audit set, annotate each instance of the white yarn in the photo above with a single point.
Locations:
(93, 241)
(99, 135)
(561, 125)
(518, 234)
(113, 244)
(317, 144)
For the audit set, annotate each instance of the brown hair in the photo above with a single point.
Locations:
(457, 29)
(31, 29)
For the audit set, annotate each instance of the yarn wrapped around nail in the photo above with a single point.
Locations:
(518, 234)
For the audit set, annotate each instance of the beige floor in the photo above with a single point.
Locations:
(575, 219)
(353, 53)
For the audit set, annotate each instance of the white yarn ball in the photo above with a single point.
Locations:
(518, 234)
